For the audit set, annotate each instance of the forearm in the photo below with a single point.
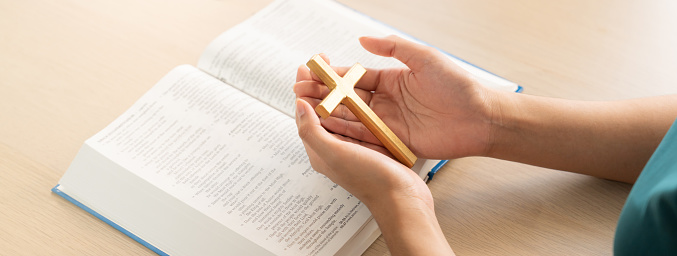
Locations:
(611, 140)
(409, 227)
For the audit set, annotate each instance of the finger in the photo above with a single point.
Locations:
(377, 148)
(312, 89)
(368, 82)
(341, 111)
(326, 59)
(416, 56)
(303, 73)
(352, 129)
(318, 90)
(315, 136)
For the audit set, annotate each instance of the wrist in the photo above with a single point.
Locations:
(408, 221)
(522, 126)
(398, 205)
(502, 118)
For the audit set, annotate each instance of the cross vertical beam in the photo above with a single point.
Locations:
(342, 91)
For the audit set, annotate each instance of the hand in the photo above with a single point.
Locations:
(433, 106)
(360, 168)
(398, 199)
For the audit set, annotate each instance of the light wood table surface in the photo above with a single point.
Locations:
(69, 68)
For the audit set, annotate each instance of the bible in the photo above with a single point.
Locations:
(208, 161)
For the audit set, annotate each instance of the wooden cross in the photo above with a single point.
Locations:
(342, 91)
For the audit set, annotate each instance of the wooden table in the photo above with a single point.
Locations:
(68, 68)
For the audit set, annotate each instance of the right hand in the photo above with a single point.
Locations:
(433, 106)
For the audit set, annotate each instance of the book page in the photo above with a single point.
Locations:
(236, 160)
(260, 56)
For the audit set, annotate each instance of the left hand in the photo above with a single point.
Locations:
(363, 169)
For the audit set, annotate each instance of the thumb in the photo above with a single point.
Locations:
(326, 59)
(412, 54)
(312, 133)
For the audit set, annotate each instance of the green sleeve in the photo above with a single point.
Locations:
(648, 222)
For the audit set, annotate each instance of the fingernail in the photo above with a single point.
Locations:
(300, 111)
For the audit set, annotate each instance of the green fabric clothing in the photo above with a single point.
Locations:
(648, 222)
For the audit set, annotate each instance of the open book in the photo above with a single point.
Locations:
(208, 161)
